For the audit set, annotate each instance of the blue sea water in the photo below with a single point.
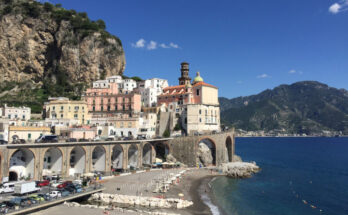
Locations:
(296, 173)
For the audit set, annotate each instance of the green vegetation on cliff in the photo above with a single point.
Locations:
(64, 52)
(304, 107)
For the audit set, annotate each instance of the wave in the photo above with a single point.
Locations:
(213, 208)
(207, 200)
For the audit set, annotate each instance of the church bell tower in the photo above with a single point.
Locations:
(185, 78)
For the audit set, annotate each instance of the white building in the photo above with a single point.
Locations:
(4, 124)
(150, 89)
(124, 85)
(101, 84)
(147, 125)
(22, 113)
(128, 85)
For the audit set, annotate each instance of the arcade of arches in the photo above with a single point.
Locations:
(76, 159)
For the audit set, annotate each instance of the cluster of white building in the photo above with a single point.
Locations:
(117, 107)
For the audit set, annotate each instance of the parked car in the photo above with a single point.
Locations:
(77, 181)
(110, 139)
(141, 137)
(65, 193)
(71, 140)
(128, 138)
(37, 198)
(56, 183)
(3, 142)
(23, 202)
(83, 140)
(55, 194)
(26, 202)
(18, 141)
(9, 204)
(45, 196)
(33, 200)
(3, 208)
(7, 188)
(47, 139)
(64, 184)
(43, 183)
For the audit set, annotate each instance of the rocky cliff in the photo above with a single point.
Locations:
(48, 47)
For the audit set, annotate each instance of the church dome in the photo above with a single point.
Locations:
(198, 78)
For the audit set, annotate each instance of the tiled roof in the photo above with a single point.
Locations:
(203, 84)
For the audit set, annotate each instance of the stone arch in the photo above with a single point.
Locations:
(77, 160)
(206, 152)
(162, 150)
(52, 161)
(98, 159)
(147, 155)
(117, 157)
(133, 160)
(22, 164)
(229, 153)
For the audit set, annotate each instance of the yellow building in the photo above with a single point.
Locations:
(64, 111)
(27, 133)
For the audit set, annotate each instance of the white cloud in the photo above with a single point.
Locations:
(339, 7)
(139, 44)
(152, 45)
(295, 72)
(263, 76)
(162, 45)
(173, 45)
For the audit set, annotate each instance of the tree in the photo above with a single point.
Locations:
(101, 24)
(166, 133)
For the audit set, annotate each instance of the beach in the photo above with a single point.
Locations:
(192, 185)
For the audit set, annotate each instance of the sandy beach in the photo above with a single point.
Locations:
(193, 182)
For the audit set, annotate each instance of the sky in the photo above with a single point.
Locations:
(242, 47)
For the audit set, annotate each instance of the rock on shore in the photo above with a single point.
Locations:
(239, 169)
(140, 201)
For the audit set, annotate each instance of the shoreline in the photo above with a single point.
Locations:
(194, 186)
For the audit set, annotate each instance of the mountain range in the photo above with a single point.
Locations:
(306, 107)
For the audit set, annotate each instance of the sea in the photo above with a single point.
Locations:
(299, 176)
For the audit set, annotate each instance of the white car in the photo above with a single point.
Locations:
(55, 184)
(55, 194)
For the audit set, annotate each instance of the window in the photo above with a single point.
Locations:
(200, 111)
(197, 92)
(61, 116)
(109, 108)
(54, 107)
(23, 117)
(61, 107)
(29, 136)
(101, 108)
(93, 108)
(75, 116)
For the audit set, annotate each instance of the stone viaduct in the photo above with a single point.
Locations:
(19, 161)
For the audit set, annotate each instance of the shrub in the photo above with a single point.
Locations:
(166, 133)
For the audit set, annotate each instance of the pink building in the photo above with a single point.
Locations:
(106, 101)
(80, 133)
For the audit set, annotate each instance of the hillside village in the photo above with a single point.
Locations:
(117, 108)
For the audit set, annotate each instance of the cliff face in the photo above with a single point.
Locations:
(31, 49)
(50, 48)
